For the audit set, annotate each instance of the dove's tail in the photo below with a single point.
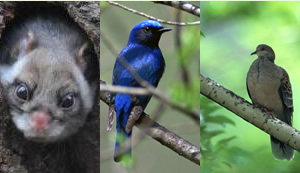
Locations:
(281, 151)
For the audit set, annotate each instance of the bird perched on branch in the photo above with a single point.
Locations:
(269, 86)
(143, 57)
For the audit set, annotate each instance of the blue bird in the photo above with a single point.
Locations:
(143, 55)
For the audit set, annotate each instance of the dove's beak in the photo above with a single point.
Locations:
(164, 30)
(253, 53)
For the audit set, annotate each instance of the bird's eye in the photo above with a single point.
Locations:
(262, 49)
(22, 92)
(147, 29)
(68, 101)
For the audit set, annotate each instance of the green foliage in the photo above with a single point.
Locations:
(202, 34)
(179, 93)
(214, 155)
(184, 91)
(103, 6)
(190, 46)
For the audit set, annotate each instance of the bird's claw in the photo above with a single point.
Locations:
(110, 119)
(133, 117)
(267, 112)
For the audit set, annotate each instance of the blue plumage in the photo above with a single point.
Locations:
(144, 56)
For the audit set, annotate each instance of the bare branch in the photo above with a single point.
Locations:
(250, 113)
(151, 17)
(187, 7)
(169, 139)
(150, 90)
(122, 89)
(163, 135)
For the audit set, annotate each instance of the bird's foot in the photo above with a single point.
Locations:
(110, 119)
(133, 117)
(270, 113)
(267, 111)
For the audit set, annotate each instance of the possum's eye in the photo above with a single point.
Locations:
(67, 101)
(22, 92)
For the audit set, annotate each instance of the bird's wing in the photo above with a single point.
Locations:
(248, 89)
(148, 65)
(285, 92)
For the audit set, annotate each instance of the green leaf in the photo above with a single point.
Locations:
(210, 134)
(202, 34)
(225, 141)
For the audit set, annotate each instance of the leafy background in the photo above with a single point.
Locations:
(149, 155)
(232, 31)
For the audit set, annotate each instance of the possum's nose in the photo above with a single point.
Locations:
(40, 120)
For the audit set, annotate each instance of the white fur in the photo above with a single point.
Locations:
(22, 122)
(8, 74)
(84, 88)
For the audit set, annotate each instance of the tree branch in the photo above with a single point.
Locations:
(169, 139)
(187, 7)
(122, 89)
(156, 93)
(163, 135)
(250, 112)
(151, 17)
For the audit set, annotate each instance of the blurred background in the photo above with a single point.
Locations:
(149, 155)
(232, 31)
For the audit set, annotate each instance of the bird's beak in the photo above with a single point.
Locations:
(164, 30)
(253, 53)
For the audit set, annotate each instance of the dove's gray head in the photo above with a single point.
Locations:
(264, 50)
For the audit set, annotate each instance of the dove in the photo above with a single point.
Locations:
(269, 86)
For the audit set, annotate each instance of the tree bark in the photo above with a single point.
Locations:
(78, 154)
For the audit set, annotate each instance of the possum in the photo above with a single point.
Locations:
(49, 72)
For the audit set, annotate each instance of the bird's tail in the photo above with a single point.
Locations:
(123, 145)
(281, 151)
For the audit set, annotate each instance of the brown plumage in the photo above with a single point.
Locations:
(269, 86)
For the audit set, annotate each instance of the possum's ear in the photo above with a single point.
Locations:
(82, 55)
(25, 46)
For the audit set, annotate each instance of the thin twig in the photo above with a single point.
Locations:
(151, 17)
(187, 7)
(122, 89)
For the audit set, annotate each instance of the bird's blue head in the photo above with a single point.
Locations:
(147, 32)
